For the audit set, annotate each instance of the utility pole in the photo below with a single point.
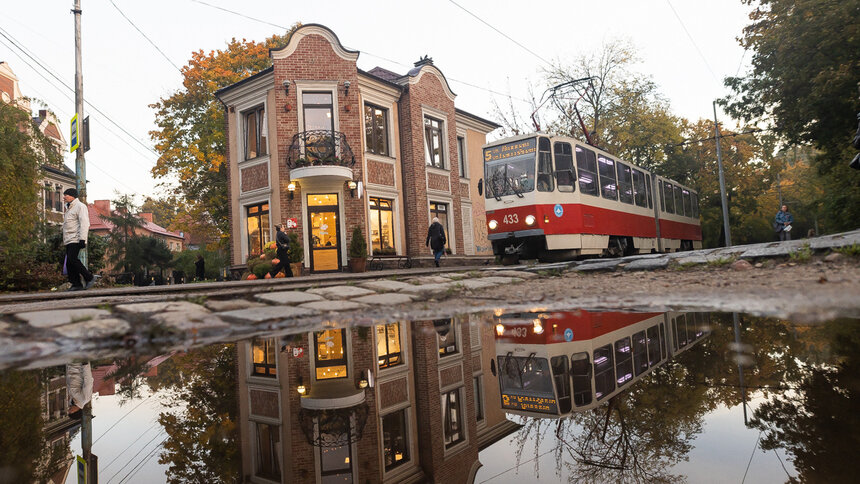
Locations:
(80, 164)
(722, 181)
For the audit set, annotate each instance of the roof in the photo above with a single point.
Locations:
(460, 112)
(65, 171)
(384, 74)
(246, 80)
(97, 223)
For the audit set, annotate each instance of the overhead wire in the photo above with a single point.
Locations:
(145, 37)
(137, 454)
(143, 462)
(692, 41)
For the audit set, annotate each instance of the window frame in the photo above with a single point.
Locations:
(265, 235)
(344, 361)
(461, 156)
(269, 369)
(371, 130)
(434, 208)
(260, 140)
(669, 188)
(679, 200)
(623, 361)
(589, 157)
(276, 458)
(565, 153)
(379, 207)
(605, 191)
(453, 330)
(449, 439)
(429, 130)
(627, 172)
(480, 413)
(388, 353)
(407, 454)
(644, 186)
(544, 170)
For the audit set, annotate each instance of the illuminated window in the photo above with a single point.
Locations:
(587, 164)
(255, 132)
(382, 226)
(257, 227)
(446, 337)
(330, 357)
(452, 418)
(335, 462)
(440, 210)
(395, 439)
(623, 361)
(388, 345)
(264, 353)
(268, 452)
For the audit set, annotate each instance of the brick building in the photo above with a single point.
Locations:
(99, 226)
(398, 402)
(316, 141)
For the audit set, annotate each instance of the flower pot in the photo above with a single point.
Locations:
(357, 264)
(296, 268)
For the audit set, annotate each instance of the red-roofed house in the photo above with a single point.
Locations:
(99, 226)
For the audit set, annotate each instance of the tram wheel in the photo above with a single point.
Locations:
(510, 260)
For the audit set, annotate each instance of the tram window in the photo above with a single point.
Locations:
(639, 187)
(694, 203)
(544, 169)
(623, 362)
(662, 341)
(675, 334)
(564, 172)
(520, 373)
(670, 200)
(604, 371)
(653, 346)
(682, 331)
(580, 369)
(688, 207)
(648, 190)
(625, 184)
(679, 200)
(608, 183)
(640, 353)
(587, 164)
(561, 375)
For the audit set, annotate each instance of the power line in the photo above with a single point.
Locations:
(104, 468)
(520, 464)
(692, 41)
(121, 418)
(240, 14)
(145, 37)
(138, 453)
(139, 466)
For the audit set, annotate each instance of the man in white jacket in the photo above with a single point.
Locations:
(79, 385)
(76, 227)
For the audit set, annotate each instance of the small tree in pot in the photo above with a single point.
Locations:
(357, 251)
(296, 252)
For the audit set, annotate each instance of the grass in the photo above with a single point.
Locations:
(685, 266)
(803, 254)
(551, 273)
(849, 250)
(722, 261)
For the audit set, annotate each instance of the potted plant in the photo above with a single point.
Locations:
(357, 251)
(297, 254)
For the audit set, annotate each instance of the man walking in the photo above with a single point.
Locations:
(76, 227)
(282, 241)
(782, 223)
(436, 239)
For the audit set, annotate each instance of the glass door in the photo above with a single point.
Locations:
(324, 232)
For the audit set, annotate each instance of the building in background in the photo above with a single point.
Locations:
(98, 225)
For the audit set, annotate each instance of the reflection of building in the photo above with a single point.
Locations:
(315, 139)
(550, 364)
(396, 402)
(101, 208)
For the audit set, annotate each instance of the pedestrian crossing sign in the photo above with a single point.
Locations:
(76, 134)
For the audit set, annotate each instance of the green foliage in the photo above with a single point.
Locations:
(260, 269)
(295, 250)
(803, 254)
(849, 250)
(126, 223)
(213, 262)
(357, 245)
(147, 252)
(21, 425)
(163, 209)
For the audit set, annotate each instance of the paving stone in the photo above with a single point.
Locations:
(384, 299)
(608, 265)
(95, 328)
(631, 258)
(385, 285)
(206, 323)
(647, 264)
(454, 276)
(265, 313)
(429, 280)
(231, 305)
(428, 289)
(333, 305)
(3, 327)
(473, 284)
(341, 292)
(774, 249)
(508, 273)
(158, 307)
(289, 297)
(498, 280)
(58, 317)
(696, 259)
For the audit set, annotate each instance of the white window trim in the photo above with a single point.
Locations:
(389, 119)
(254, 450)
(243, 222)
(391, 194)
(451, 228)
(461, 133)
(258, 191)
(241, 110)
(430, 112)
(404, 355)
(463, 444)
(317, 86)
(350, 371)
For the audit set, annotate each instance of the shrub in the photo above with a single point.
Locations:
(357, 246)
(295, 250)
(262, 268)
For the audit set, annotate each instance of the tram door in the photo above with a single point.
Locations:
(324, 232)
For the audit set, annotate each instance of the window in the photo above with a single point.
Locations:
(335, 462)
(662, 198)
(587, 164)
(264, 354)
(682, 331)
(625, 184)
(654, 356)
(268, 452)
(648, 189)
(440, 211)
(580, 370)
(544, 169)
(561, 375)
(382, 226)
(461, 155)
(608, 185)
(688, 204)
(662, 341)
(564, 172)
(623, 363)
(452, 418)
(255, 132)
(395, 439)
(694, 203)
(433, 153)
(640, 353)
(604, 372)
(258, 230)
(446, 337)
(318, 115)
(639, 188)
(376, 129)
(679, 200)
(670, 199)
(388, 345)
(49, 197)
(479, 398)
(330, 354)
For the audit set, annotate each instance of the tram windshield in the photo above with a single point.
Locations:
(525, 375)
(510, 168)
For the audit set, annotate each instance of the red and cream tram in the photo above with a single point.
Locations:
(552, 364)
(553, 196)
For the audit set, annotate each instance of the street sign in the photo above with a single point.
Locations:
(298, 352)
(82, 470)
(86, 134)
(292, 223)
(76, 134)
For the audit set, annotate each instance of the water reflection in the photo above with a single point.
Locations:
(486, 397)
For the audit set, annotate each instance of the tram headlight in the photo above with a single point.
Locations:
(530, 219)
(500, 329)
(493, 224)
(538, 327)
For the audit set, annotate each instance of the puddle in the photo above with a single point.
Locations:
(494, 396)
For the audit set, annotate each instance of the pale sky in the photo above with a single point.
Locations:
(687, 46)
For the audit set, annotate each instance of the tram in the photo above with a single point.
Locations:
(554, 197)
(552, 364)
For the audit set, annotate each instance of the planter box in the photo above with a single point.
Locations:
(296, 268)
(358, 264)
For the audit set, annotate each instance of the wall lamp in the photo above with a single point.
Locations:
(286, 85)
(346, 85)
(365, 379)
(352, 186)
(301, 388)
(292, 188)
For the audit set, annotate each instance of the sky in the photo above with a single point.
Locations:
(488, 49)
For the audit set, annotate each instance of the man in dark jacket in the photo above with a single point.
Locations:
(283, 243)
(200, 268)
(436, 239)
(782, 223)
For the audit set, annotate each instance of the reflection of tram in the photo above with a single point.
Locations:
(550, 364)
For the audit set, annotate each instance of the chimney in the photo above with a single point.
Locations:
(102, 206)
(426, 60)
(146, 216)
(43, 114)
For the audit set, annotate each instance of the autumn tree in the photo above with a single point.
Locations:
(190, 137)
(163, 209)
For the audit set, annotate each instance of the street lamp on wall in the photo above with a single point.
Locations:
(286, 85)
(301, 388)
(292, 188)
(352, 185)
(346, 85)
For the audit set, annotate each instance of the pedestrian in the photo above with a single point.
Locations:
(79, 388)
(810, 234)
(76, 227)
(436, 239)
(200, 268)
(782, 223)
(282, 241)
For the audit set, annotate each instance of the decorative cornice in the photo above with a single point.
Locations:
(415, 76)
(314, 29)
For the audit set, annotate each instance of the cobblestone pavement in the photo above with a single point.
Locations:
(51, 328)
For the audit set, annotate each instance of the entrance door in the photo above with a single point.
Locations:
(324, 233)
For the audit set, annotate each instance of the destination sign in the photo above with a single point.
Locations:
(510, 150)
(530, 403)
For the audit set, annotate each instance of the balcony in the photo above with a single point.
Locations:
(320, 153)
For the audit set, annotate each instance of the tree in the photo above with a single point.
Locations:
(805, 85)
(125, 222)
(163, 209)
(190, 137)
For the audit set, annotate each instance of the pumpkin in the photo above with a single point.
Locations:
(262, 256)
(251, 277)
(268, 276)
(280, 275)
(276, 261)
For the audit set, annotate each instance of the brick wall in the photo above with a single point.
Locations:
(255, 177)
(380, 173)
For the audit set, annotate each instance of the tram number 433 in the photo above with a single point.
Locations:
(510, 219)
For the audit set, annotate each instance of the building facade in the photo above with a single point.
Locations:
(322, 147)
(99, 209)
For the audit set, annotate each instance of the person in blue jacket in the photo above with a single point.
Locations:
(782, 223)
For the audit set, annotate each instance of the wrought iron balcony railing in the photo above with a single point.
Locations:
(319, 148)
